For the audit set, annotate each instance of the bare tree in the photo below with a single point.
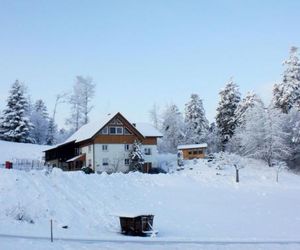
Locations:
(237, 169)
(154, 116)
(59, 99)
(87, 89)
(76, 118)
(115, 165)
(279, 166)
(80, 100)
(52, 127)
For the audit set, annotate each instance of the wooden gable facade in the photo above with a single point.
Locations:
(119, 131)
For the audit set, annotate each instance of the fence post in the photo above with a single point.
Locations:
(51, 230)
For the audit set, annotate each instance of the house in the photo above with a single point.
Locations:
(105, 146)
(192, 151)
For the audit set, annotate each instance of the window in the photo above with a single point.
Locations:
(119, 130)
(127, 147)
(105, 147)
(126, 132)
(190, 152)
(147, 151)
(104, 131)
(90, 148)
(116, 130)
(112, 130)
(105, 162)
(126, 161)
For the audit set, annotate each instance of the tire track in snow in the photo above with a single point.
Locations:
(159, 241)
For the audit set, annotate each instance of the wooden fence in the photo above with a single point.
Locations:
(26, 164)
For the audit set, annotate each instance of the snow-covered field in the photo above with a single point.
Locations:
(199, 205)
(11, 151)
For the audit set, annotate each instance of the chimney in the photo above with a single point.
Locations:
(134, 124)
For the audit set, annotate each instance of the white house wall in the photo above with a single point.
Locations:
(153, 157)
(88, 154)
(116, 155)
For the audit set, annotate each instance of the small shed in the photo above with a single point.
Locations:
(192, 151)
(137, 225)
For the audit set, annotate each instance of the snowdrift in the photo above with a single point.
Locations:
(199, 204)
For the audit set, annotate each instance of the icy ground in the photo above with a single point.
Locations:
(200, 204)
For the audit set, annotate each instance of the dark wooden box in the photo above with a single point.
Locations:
(141, 225)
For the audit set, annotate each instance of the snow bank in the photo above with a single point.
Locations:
(167, 162)
(204, 203)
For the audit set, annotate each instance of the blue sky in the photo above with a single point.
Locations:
(145, 52)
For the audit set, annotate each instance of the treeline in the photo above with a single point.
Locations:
(30, 122)
(243, 125)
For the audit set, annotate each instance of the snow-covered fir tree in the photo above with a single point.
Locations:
(40, 120)
(15, 125)
(172, 129)
(249, 101)
(51, 132)
(196, 123)
(287, 93)
(225, 118)
(40, 107)
(80, 100)
(136, 156)
(292, 127)
(213, 139)
(263, 136)
(62, 135)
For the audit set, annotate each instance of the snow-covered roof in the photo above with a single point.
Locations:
(75, 158)
(57, 145)
(191, 146)
(131, 214)
(87, 131)
(147, 130)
